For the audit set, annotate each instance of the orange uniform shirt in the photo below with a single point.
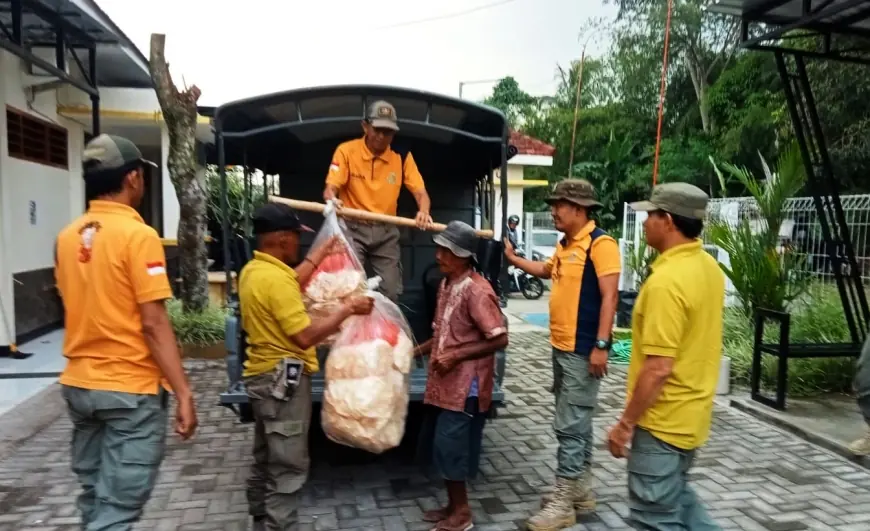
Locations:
(108, 263)
(575, 300)
(370, 183)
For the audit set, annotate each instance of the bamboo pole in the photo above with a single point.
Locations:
(362, 215)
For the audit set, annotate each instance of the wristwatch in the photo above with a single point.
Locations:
(603, 344)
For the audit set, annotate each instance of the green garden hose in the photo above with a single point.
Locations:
(620, 353)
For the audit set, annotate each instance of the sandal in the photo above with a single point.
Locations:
(463, 524)
(444, 526)
(436, 515)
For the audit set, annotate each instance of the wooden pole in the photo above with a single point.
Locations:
(362, 215)
(576, 111)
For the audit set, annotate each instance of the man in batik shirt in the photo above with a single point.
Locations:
(468, 329)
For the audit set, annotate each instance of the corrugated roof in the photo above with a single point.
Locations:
(119, 62)
(853, 20)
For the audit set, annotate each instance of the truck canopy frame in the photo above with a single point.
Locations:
(265, 132)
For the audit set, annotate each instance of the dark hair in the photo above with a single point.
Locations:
(102, 182)
(688, 227)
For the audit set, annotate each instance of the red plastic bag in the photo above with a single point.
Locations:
(365, 401)
(338, 276)
(376, 327)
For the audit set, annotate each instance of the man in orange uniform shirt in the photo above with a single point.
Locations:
(119, 343)
(366, 174)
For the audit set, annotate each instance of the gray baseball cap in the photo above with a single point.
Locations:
(382, 114)
(682, 199)
(459, 238)
(111, 152)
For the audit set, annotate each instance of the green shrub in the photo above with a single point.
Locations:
(764, 273)
(817, 317)
(197, 329)
(639, 261)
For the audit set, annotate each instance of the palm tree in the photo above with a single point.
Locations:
(765, 274)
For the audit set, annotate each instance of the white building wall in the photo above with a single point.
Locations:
(515, 199)
(132, 100)
(171, 208)
(131, 104)
(57, 196)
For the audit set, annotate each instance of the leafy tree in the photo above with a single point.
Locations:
(511, 100)
(239, 207)
(701, 44)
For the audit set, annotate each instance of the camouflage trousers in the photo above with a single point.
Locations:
(281, 462)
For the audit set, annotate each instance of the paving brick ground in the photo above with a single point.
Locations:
(751, 475)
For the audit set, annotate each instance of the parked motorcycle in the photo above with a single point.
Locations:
(530, 286)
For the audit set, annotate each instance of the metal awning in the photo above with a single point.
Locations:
(36, 30)
(835, 29)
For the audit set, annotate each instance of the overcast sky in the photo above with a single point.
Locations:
(234, 50)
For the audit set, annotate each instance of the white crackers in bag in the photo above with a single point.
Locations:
(338, 276)
(365, 401)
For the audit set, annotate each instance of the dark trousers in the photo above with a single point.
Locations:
(450, 442)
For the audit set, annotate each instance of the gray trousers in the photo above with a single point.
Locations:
(118, 443)
(576, 396)
(659, 495)
(377, 247)
(281, 462)
(862, 381)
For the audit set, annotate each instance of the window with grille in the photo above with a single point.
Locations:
(36, 140)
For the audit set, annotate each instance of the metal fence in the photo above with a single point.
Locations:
(801, 229)
(538, 231)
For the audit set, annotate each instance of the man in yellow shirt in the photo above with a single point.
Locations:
(281, 358)
(585, 274)
(675, 359)
(119, 344)
(366, 174)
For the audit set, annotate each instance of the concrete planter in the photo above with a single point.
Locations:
(724, 385)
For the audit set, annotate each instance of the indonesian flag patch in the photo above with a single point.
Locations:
(334, 166)
(155, 268)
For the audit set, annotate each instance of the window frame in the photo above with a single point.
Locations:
(54, 147)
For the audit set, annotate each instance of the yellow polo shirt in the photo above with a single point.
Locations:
(372, 183)
(272, 312)
(575, 298)
(678, 314)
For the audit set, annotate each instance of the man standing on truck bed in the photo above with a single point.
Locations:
(366, 174)
(585, 272)
(281, 359)
(120, 348)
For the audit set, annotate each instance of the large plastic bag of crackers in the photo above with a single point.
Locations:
(338, 276)
(365, 401)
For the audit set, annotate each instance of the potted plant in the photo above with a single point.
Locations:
(200, 335)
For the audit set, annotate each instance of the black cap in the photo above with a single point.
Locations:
(275, 217)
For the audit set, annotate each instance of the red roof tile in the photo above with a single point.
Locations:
(527, 145)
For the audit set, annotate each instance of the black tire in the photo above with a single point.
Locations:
(533, 288)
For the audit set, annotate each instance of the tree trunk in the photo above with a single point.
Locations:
(180, 114)
(697, 73)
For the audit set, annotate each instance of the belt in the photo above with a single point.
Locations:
(361, 222)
